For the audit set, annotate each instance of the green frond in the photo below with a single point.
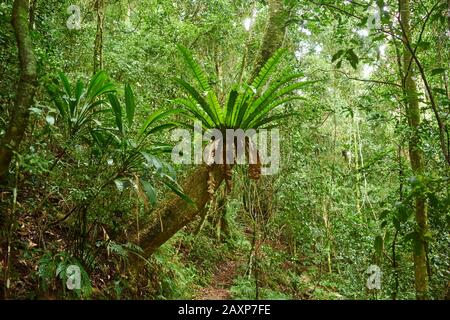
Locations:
(195, 111)
(275, 100)
(156, 116)
(195, 68)
(230, 105)
(99, 85)
(273, 120)
(246, 105)
(161, 127)
(66, 84)
(268, 69)
(240, 107)
(200, 100)
(115, 105)
(268, 96)
(215, 106)
(278, 102)
(79, 91)
(293, 87)
(130, 104)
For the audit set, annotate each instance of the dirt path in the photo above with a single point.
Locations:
(220, 284)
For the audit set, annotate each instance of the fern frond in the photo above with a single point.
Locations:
(273, 119)
(215, 106)
(200, 100)
(268, 96)
(291, 88)
(230, 105)
(196, 112)
(276, 103)
(241, 105)
(66, 84)
(268, 68)
(195, 68)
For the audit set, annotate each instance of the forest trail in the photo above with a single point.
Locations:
(220, 284)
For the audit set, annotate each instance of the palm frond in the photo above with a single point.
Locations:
(115, 105)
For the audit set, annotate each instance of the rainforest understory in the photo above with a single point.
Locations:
(109, 189)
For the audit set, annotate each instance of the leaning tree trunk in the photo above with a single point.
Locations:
(415, 154)
(26, 87)
(174, 213)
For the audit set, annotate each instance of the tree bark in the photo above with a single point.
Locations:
(32, 15)
(98, 46)
(448, 16)
(26, 87)
(415, 155)
(173, 214)
(274, 35)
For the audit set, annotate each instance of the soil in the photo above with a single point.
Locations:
(220, 284)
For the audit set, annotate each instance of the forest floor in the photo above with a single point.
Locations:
(222, 280)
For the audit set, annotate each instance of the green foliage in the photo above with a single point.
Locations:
(94, 161)
(176, 279)
(53, 267)
(77, 104)
(78, 110)
(247, 106)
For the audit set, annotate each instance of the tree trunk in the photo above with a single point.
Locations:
(175, 213)
(274, 35)
(26, 87)
(31, 20)
(448, 16)
(98, 46)
(415, 154)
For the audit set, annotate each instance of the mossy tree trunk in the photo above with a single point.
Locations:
(415, 154)
(26, 87)
(175, 213)
(274, 34)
